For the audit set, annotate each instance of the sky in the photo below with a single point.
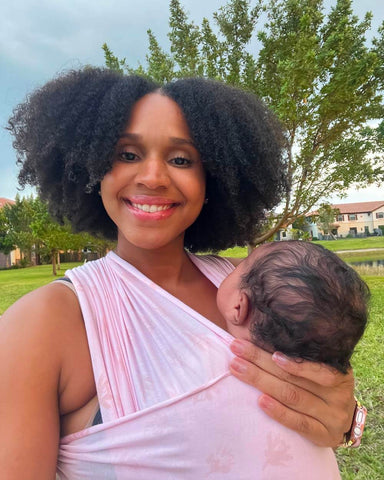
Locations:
(41, 38)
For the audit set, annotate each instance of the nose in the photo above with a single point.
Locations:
(153, 173)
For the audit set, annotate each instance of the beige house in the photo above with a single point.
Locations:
(13, 257)
(355, 219)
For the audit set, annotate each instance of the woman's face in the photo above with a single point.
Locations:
(156, 187)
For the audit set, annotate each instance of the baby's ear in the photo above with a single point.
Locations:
(242, 308)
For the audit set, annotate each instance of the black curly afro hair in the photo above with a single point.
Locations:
(66, 133)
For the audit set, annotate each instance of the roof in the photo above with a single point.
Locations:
(5, 201)
(359, 207)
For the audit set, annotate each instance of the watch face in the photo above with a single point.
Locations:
(358, 425)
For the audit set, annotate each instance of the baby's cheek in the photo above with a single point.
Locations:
(239, 331)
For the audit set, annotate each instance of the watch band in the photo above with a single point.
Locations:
(353, 437)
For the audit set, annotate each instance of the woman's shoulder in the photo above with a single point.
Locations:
(38, 324)
(40, 342)
(42, 308)
(43, 324)
(45, 329)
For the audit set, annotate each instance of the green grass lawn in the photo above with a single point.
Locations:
(15, 283)
(364, 463)
(334, 246)
(362, 256)
(235, 252)
(352, 243)
(367, 462)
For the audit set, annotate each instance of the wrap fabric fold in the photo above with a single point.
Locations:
(170, 408)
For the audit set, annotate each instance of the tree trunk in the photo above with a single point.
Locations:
(53, 256)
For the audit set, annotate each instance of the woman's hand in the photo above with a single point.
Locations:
(311, 398)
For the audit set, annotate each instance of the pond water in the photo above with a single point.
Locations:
(368, 263)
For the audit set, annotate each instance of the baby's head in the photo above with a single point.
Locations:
(297, 298)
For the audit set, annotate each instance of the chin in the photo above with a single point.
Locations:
(149, 242)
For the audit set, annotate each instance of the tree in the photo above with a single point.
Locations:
(299, 229)
(28, 225)
(112, 62)
(54, 237)
(325, 218)
(15, 228)
(6, 244)
(316, 72)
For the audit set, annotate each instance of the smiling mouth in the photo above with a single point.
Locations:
(144, 207)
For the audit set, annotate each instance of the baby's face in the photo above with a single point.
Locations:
(230, 296)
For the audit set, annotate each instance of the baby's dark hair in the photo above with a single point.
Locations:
(66, 133)
(307, 303)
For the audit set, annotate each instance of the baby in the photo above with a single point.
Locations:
(297, 298)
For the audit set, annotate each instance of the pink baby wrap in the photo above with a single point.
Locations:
(170, 408)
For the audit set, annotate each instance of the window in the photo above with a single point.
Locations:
(380, 215)
(340, 218)
(352, 216)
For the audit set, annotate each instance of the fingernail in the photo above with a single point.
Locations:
(237, 347)
(239, 365)
(266, 403)
(280, 358)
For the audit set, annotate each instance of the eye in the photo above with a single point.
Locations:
(127, 156)
(181, 162)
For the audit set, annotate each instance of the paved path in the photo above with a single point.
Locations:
(361, 250)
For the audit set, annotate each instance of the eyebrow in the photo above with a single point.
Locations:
(182, 141)
(175, 140)
(130, 136)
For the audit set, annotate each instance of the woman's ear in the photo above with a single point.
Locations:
(240, 314)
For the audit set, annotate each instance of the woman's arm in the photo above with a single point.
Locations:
(31, 338)
(310, 398)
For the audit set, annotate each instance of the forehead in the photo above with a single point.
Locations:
(155, 110)
(257, 253)
(262, 250)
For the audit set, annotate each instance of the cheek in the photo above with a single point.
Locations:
(108, 192)
(116, 177)
(223, 293)
(108, 183)
(193, 184)
(197, 189)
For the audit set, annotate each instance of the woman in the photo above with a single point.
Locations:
(194, 165)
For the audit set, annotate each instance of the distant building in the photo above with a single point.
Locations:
(355, 219)
(285, 232)
(13, 257)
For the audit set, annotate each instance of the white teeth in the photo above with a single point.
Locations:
(151, 208)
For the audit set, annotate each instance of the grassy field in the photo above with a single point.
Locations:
(16, 283)
(349, 245)
(365, 463)
(359, 256)
(352, 243)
